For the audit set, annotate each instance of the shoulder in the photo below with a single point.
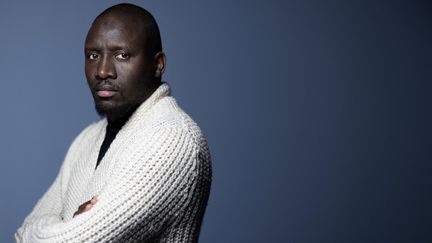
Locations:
(168, 115)
(167, 129)
(190, 139)
(189, 136)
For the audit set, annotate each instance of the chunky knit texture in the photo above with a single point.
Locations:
(152, 184)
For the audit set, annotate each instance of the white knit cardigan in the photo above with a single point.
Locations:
(152, 184)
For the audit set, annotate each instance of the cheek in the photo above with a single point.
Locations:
(88, 70)
(133, 75)
(139, 67)
(129, 83)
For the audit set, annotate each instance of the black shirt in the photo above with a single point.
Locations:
(112, 129)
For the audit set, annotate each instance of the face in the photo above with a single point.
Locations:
(119, 72)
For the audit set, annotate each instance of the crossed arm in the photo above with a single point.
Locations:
(144, 195)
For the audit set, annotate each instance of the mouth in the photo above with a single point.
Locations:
(106, 93)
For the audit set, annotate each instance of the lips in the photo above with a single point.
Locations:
(105, 91)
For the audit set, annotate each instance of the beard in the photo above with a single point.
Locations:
(115, 112)
(122, 104)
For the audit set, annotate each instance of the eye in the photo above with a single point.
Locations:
(122, 56)
(92, 56)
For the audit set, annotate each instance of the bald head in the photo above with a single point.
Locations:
(140, 19)
(124, 59)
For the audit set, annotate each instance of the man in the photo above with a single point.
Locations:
(141, 174)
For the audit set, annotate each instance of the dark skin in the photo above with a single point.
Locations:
(119, 70)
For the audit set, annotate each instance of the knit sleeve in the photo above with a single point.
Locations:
(50, 205)
(145, 193)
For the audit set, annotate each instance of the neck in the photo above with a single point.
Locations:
(119, 120)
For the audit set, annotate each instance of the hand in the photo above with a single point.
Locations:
(86, 206)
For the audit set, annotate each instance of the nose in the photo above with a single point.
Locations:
(106, 69)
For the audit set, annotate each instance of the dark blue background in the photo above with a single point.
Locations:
(317, 113)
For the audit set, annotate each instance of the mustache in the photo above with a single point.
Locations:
(106, 85)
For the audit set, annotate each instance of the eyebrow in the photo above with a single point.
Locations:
(113, 48)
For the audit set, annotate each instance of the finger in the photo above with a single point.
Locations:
(84, 205)
(87, 207)
(93, 200)
(77, 213)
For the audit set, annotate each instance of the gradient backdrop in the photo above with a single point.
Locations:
(317, 113)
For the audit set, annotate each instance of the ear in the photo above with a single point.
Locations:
(159, 64)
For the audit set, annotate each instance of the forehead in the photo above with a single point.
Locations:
(115, 30)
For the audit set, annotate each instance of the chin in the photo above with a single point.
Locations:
(114, 112)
